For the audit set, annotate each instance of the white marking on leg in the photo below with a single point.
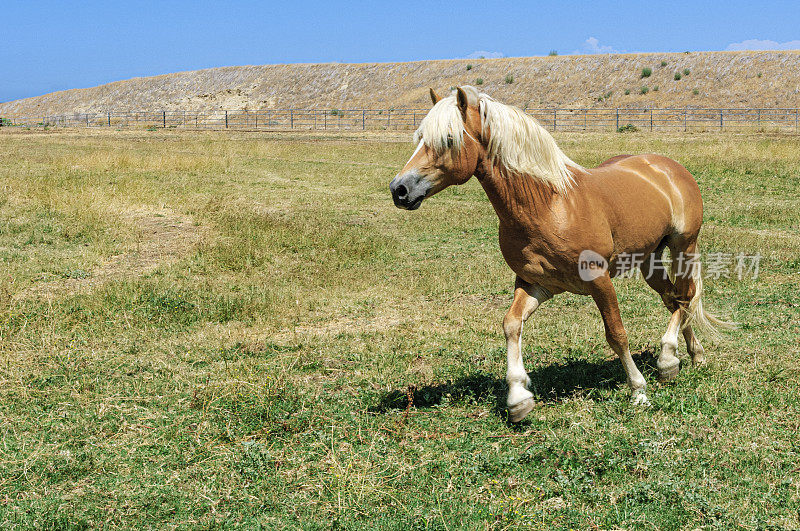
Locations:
(521, 362)
(636, 381)
(516, 376)
(519, 399)
(668, 362)
(670, 338)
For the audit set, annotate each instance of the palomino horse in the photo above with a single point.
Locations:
(564, 227)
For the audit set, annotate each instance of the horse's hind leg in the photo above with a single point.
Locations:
(685, 287)
(526, 299)
(676, 297)
(668, 363)
(656, 276)
(696, 350)
(604, 295)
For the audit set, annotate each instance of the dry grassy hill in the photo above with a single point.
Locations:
(714, 79)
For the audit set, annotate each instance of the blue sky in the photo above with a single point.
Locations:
(47, 45)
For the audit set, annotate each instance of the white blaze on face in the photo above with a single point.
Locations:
(421, 143)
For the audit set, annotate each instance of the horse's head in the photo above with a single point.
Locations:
(448, 149)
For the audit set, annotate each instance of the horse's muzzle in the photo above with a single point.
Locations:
(409, 189)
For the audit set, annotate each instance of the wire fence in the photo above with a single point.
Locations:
(554, 119)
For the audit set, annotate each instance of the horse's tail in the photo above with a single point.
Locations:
(697, 316)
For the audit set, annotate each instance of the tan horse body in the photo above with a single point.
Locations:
(542, 233)
(623, 213)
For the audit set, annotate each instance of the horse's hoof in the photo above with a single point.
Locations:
(668, 369)
(519, 411)
(698, 360)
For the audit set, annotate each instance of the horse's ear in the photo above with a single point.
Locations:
(462, 100)
(435, 97)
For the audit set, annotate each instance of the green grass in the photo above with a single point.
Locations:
(318, 358)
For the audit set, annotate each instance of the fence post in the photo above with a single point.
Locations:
(164, 119)
(109, 119)
(555, 123)
(291, 118)
(226, 119)
(617, 128)
(363, 119)
(720, 120)
(388, 118)
(685, 113)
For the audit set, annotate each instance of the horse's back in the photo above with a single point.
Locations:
(663, 173)
(614, 160)
(652, 166)
(650, 196)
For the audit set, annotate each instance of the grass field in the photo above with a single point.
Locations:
(209, 330)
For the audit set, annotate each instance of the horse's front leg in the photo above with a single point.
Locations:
(527, 298)
(605, 297)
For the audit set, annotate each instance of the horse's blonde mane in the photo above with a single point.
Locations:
(516, 141)
(443, 122)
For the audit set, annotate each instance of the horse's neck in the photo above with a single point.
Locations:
(517, 199)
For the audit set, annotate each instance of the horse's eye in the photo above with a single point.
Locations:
(449, 142)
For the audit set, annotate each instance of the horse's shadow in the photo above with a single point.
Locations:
(549, 383)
